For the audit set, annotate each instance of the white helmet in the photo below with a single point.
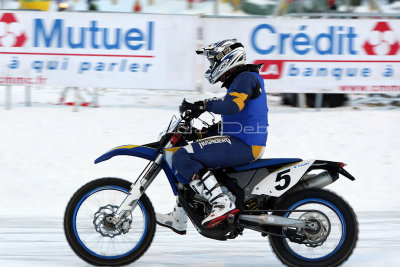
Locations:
(223, 56)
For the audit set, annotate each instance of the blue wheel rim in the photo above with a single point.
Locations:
(121, 189)
(335, 209)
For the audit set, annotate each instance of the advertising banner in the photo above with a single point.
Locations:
(317, 55)
(117, 50)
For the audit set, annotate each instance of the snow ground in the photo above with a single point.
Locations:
(47, 153)
(41, 242)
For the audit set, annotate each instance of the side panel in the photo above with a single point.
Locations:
(280, 181)
(168, 153)
(171, 177)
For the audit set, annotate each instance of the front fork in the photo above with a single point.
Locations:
(139, 187)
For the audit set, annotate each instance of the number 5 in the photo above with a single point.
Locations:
(284, 177)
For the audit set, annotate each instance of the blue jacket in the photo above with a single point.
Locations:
(244, 108)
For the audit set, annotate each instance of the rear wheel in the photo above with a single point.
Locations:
(333, 237)
(89, 227)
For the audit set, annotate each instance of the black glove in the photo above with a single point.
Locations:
(195, 109)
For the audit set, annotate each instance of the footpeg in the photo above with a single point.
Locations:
(234, 227)
(230, 219)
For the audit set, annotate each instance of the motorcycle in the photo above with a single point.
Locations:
(111, 221)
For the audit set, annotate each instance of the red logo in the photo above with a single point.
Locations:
(272, 69)
(11, 34)
(382, 41)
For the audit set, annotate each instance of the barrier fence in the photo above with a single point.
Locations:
(149, 51)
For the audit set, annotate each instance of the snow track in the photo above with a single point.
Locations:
(41, 242)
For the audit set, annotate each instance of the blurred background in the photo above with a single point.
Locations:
(78, 78)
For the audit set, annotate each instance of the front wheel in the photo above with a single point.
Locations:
(329, 243)
(92, 235)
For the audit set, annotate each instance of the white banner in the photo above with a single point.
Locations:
(316, 55)
(98, 50)
(157, 51)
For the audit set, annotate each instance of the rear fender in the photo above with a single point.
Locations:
(332, 167)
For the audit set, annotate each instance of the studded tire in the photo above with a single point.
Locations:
(348, 234)
(81, 248)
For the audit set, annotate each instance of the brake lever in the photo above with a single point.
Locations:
(182, 104)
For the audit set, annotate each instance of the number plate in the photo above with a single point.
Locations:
(280, 181)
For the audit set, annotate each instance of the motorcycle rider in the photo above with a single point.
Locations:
(239, 139)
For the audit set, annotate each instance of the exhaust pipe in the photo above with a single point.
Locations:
(316, 181)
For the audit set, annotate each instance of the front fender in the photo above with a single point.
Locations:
(128, 150)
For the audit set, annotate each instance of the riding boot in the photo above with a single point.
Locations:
(208, 187)
(175, 220)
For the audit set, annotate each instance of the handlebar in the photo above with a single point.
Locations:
(183, 124)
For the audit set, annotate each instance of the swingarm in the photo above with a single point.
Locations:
(263, 218)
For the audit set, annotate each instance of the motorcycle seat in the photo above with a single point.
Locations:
(262, 163)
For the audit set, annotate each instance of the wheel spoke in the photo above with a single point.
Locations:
(325, 241)
(91, 224)
(329, 237)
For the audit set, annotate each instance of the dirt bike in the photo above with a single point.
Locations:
(111, 221)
